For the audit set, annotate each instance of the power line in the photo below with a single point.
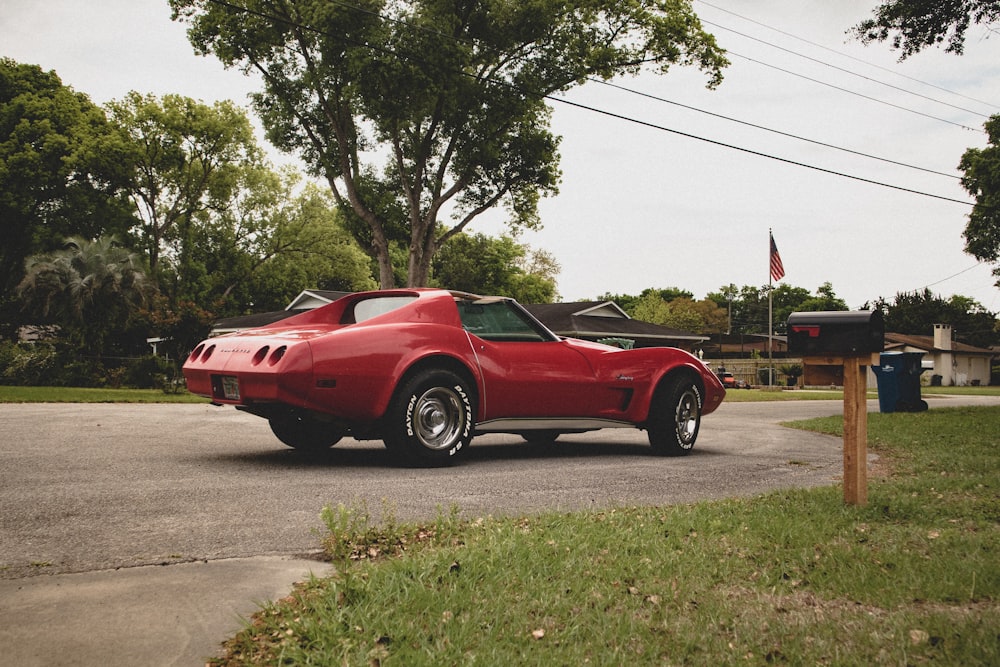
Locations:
(772, 130)
(844, 70)
(553, 98)
(852, 92)
(847, 55)
(854, 58)
(954, 275)
(753, 152)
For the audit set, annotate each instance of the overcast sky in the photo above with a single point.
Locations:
(641, 204)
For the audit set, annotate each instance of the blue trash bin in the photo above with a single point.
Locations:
(898, 375)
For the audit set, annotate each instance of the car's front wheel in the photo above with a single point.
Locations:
(674, 417)
(304, 433)
(431, 418)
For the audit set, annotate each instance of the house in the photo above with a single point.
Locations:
(598, 320)
(589, 320)
(306, 300)
(949, 362)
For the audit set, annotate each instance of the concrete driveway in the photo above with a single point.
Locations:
(141, 534)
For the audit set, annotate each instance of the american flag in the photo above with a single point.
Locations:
(777, 269)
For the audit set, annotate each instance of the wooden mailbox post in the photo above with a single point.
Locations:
(851, 340)
(855, 422)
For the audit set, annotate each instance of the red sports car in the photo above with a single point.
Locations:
(425, 370)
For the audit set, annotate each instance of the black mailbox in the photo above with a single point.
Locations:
(848, 332)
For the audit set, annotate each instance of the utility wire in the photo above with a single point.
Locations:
(847, 55)
(954, 275)
(843, 69)
(772, 130)
(852, 92)
(753, 152)
(553, 98)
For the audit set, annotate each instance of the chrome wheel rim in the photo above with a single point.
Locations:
(686, 418)
(438, 418)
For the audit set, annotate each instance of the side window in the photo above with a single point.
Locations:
(498, 321)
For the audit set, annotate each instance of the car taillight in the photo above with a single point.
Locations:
(260, 355)
(277, 355)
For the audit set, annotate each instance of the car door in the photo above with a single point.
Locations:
(534, 379)
(526, 371)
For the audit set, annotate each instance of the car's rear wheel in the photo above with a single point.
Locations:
(431, 418)
(304, 433)
(675, 417)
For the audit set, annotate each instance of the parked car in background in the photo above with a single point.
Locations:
(425, 370)
(729, 381)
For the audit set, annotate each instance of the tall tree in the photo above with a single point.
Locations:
(268, 245)
(58, 168)
(680, 312)
(917, 312)
(913, 25)
(89, 288)
(921, 23)
(439, 103)
(481, 264)
(187, 158)
(981, 167)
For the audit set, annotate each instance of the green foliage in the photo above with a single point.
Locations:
(916, 24)
(59, 169)
(89, 288)
(671, 307)
(981, 178)
(48, 394)
(274, 239)
(353, 536)
(916, 313)
(50, 364)
(417, 107)
(187, 158)
(748, 305)
(481, 264)
(26, 364)
(791, 370)
(628, 301)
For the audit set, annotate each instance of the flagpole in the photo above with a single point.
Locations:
(777, 272)
(770, 316)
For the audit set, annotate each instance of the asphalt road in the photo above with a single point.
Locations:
(90, 487)
(96, 499)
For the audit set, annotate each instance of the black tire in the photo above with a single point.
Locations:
(674, 417)
(305, 434)
(431, 418)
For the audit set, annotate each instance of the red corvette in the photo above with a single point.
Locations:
(425, 370)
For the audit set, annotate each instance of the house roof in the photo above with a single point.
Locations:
(312, 298)
(581, 319)
(306, 300)
(895, 341)
(241, 322)
(598, 319)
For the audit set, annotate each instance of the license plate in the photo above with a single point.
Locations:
(230, 388)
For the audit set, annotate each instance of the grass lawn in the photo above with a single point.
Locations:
(89, 395)
(778, 394)
(792, 577)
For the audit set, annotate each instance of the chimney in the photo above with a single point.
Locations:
(942, 336)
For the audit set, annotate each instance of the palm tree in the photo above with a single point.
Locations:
(89, 288)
